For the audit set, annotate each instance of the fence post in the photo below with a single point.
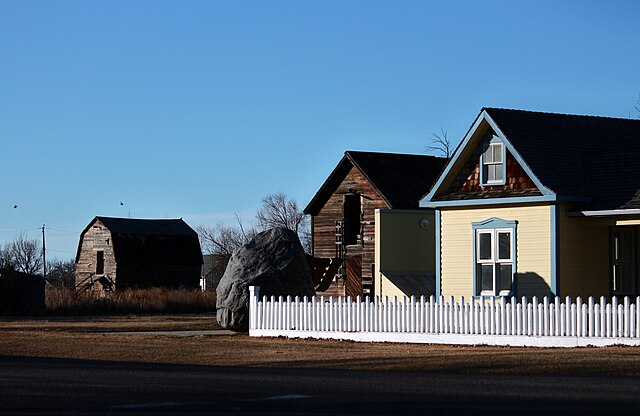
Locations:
(545, 316)
(376, 314)
(421, 320)
(638, 317)
(254, 292)
(614, 316)
(596, 318)
(591, 317)
(626, 316)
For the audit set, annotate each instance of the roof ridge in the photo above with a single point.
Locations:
(139, 219)
(556, 114)
(389, 153)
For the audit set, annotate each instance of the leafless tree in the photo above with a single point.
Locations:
(440, 143)
(6, 258)
(278, 210)
(26, 254)
(61, 273)
(637, 106)
(223, 239)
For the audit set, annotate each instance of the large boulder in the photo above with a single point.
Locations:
(273, 260)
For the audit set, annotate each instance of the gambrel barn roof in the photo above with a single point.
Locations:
(590, 159)
(400, 179)
(150, 241)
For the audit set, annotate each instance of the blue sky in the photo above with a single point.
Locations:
(197, 109)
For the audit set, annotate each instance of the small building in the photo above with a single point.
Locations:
(21, 293)
(120, 253)
(343, 215)
(540, 204)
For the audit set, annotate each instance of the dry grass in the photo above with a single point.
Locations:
(99, 338)
(130, 301)
(107, 338)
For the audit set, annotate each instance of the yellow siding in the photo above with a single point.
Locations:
(628, 221)
(584, 255)
(533, 247)
(403, 247)
(388, 289)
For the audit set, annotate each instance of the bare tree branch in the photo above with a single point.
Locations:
(223, 239)
(6, 258)
(637, 106)
(440, 143)
(278, 210)
(61, 273)
(26, 254)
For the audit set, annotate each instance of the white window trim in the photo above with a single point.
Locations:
(494, 227)
(503, 157)
(495, 259)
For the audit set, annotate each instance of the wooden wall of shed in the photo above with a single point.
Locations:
(144, 276)
(96, 238)
(324, 230)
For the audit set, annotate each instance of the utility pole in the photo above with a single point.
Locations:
(44, 257)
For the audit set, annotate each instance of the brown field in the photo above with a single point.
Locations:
(110, 338)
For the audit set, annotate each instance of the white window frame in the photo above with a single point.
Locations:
(485, 165)
(495, 261)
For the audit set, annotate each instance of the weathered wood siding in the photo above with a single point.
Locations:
(96, 238)
(324, 230)
(533, 247)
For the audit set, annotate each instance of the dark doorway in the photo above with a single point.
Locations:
(100, 262)
(623, 261)
(352, 212)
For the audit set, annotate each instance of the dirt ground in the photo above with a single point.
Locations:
(112, 338)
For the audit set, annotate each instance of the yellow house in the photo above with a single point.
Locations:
(539, 204)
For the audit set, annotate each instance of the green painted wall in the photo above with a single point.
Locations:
(405, 244)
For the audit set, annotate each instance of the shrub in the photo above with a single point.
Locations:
(61, 301)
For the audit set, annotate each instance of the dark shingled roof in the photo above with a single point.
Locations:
(144, 241)
(573, 155)
(400, 179)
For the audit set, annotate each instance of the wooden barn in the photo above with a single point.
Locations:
(343, 213)
(120, 253)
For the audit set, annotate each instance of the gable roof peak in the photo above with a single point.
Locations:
(399, 178)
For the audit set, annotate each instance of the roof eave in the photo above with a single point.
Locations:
(604, 213)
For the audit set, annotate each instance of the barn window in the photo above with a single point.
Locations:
(100, 262)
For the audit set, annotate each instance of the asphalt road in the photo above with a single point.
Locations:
(63, 386)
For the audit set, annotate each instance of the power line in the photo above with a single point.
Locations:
(20, 231)
(61, 251)
(62, 231)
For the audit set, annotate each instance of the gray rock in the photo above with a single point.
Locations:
(273, 260)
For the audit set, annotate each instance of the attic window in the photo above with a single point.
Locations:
(492, 162)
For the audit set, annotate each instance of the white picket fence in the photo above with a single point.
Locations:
(429, 320)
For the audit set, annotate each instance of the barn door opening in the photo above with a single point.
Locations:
(352, 213)
(100, 262)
